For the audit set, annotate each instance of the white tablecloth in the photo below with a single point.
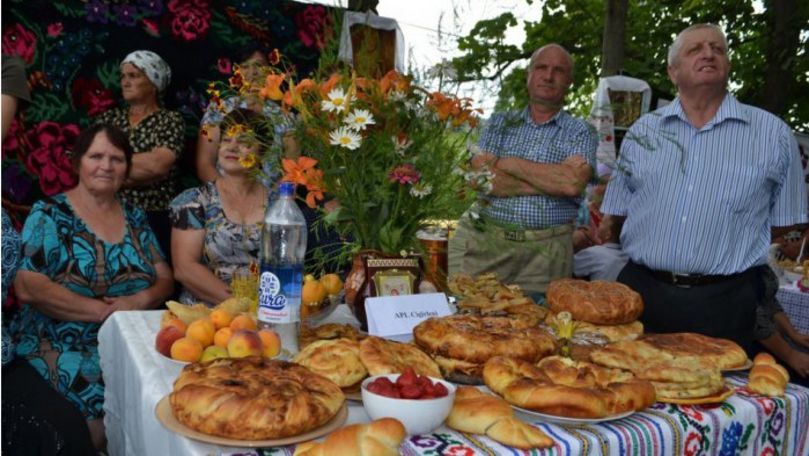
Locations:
(136, 378)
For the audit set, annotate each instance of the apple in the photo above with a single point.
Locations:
(213, 352)
(244, 342)
(165, 338)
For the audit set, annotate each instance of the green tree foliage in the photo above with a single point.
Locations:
(651, 26)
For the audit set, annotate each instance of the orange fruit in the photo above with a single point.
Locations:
(220, 318)
(222, 336)
(332, 283)
(242, 322)
(186, 349)
(312, 292)
(177, 323)
(201, 330)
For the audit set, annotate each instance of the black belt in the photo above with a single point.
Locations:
(689, 280)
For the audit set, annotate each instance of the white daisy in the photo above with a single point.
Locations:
(420, 191)
(397, 95)
(359, 119)
(345, 137)
(338, 101)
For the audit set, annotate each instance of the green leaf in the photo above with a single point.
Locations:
(69, 10)
(47, 106)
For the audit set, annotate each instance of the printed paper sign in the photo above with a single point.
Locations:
(395, 316)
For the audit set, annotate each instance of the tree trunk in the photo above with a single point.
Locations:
(612, 49)
(782, 50)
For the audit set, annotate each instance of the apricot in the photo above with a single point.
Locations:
(186, 349)
(332, 283)
(221, 318)
(242, 322)
(165, 338)
(222, 336)
(213, 352)
(270, 342)
(244, 342)
(312, 292)
(201, 330)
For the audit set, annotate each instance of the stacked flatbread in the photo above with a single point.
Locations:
(679, 365)
(485, 295)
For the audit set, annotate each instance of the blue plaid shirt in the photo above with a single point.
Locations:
(703, 201)
(515, 134)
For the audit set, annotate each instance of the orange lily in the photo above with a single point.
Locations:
(272, 88)
(331, 83)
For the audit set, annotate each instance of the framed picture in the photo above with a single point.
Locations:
(394, 282)
(393, 276)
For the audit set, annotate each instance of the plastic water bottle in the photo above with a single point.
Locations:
(283, 246)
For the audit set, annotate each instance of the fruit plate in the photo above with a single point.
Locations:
(166, 417)
(172, 360)
(569, 420)
(723, 394)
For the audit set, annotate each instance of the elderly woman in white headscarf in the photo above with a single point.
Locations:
(156, 135)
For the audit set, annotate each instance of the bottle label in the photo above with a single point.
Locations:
(279, 295)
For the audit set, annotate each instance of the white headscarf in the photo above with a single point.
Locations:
(155, 68)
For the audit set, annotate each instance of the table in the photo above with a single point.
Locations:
(796, 306)
(137, 377)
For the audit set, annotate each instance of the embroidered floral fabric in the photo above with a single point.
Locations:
(56, 243)
(72, 49)
(744, 424)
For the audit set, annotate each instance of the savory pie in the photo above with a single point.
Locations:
(462, 343)
(598, 301)
(563, 387)
(253, 398)
(381, 356)
(327, 331)
(337, 359)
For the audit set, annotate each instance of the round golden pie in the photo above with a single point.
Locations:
(327, 331)
(462, 343)
(381, 356)
(598, 301)
(564, 387)
(253, 398)
(337, 359)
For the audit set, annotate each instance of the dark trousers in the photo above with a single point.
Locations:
(726, 309)
(37, 419)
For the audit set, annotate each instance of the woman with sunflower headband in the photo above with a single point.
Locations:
(216, 227)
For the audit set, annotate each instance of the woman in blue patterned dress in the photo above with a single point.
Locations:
(216, 228)
(86, 254)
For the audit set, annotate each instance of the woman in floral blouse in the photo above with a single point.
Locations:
(216, 228)
(156, 135)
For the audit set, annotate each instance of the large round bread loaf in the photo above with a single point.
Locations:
(598, 302)
(253, 398)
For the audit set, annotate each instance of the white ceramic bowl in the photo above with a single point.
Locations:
(419, 416)
(792, 276)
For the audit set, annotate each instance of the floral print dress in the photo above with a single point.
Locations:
(57, 244)
(161, 128)
(227, 246)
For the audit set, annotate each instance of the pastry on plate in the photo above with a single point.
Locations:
(253, 398)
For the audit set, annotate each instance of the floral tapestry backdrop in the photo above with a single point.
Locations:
(72, 49)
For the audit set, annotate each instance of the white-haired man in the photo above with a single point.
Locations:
(541, 158)
(701, 182)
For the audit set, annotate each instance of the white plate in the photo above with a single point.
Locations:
(285, 355)
(746, 366)
(166, 417)
(172, 360)
(568, 420)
